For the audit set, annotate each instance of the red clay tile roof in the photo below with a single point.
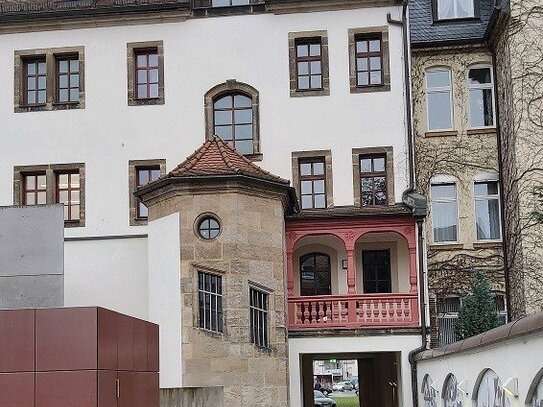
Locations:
(215, 157)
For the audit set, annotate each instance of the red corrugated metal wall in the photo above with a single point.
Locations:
(84, 357)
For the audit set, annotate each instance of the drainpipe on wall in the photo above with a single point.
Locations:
(411, 198)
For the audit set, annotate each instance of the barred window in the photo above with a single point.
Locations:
(259, 317)
(210, 302)
(447, 315)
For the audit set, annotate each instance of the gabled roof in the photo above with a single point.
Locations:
(216, 157)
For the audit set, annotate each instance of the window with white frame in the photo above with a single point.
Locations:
(481, 96)
(450, 9)
(444, 212)
(487, 209)
(439, 99)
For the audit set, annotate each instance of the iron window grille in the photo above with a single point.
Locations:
(373, 180)
(309, 64)
(369, 61)
(210, 302)
(258, 306)
(145, 175)
(313, 184)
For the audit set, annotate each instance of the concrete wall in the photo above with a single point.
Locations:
(31, 256)
(514, 358)
(354, 344)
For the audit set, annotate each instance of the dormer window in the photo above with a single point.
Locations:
(452, 9)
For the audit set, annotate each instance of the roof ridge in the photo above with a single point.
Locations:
(193, 159)
(221, 145)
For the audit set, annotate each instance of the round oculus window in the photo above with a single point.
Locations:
(209, 228)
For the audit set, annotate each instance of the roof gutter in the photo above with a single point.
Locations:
(412, 199)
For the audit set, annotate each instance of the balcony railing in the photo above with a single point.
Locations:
(353, 311)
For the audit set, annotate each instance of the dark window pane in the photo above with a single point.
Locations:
(479, 76)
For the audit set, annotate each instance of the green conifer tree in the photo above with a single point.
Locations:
(477, 313)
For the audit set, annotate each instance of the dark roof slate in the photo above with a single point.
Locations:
(425, 32)
(353, 211)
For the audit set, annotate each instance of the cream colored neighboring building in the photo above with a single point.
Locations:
(519, 52)
(458, 158)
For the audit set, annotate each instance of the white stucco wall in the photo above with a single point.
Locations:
(519, 358)
(355, 344)
(165, 295)
(108, 273)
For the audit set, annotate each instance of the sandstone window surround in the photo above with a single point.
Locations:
(49, 79)
(136, 178)
(309, 63)
(314, 156)
(52, 183)
(369, 59)
(368, 153)
(145, 62)
(444, 209)
(232, 113)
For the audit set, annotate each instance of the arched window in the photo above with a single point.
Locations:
(232, 114)
(451, 396)
(315, 274)
(429, 394)
(535, 394)
(490, 392)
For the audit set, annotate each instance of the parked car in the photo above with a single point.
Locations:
(342, 386)
(322, 401)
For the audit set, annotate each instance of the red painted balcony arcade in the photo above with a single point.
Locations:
(352, 273)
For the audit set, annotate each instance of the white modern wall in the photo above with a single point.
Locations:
(165, 295)
(108, 273)
(519, 357)
(355, 344)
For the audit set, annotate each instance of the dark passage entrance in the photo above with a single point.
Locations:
(351, 379)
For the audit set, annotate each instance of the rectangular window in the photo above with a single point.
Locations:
(34, 189)
(147, 74)
(35, 81)
(68, 193)
(369, 61)
(373, 180)
(313, 184)
(309, 64)
(481, 97)
(447, 315)
(145, 175)
(258, 306)
(210, 302)
(439, 99)
(451, 9)
(67, 79)
(376, 267)
(487, 210)
(444, 212)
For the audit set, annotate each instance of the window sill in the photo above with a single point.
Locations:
(74, 224)
(146, 102)
(139, 221)
(445, 133)
(254, 157)
(370, 89)
(494, 244)
(50, 107)
(481, 130)
(457, 20)
(303, 93)
(446, 246)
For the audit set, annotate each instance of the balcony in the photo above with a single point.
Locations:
(353, 311)
(352, 274)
